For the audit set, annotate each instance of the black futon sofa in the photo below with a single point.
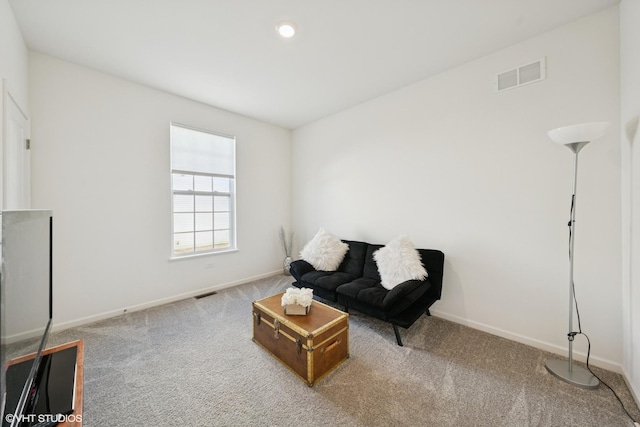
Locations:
(356, 285)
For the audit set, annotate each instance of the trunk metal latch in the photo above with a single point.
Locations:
(276, 329)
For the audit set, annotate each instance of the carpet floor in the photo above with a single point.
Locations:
(193, 363)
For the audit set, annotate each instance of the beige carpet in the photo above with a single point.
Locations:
(193, 363)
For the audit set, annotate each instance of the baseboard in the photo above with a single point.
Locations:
(34, 333)
(635, 393)
(542, 345)
(106, 315)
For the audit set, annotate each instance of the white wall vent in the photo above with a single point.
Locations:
(522, 75)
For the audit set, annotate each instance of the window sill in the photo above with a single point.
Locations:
(205, 254)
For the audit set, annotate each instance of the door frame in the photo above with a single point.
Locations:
(9, 102)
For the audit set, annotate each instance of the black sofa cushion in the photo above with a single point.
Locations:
(353, 261)
(353, 289)
(370, 293)
(299, 268)
(327, 280)
(433, 261)
(323, 283)
(370, 266)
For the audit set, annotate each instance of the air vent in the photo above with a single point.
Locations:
(208, 294)
(522, 75)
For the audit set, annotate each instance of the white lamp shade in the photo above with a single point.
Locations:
(584, 132)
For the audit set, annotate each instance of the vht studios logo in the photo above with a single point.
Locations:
(44, 418)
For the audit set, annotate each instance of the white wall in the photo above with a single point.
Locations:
(100, 160)
(13, 71)
(630, 115)
(13, 54)
(460, 168)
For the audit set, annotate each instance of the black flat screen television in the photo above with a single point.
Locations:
(26, 308)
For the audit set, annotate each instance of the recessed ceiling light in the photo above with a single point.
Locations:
(286, 29)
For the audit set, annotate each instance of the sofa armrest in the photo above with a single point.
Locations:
(410, 288)
(299, 268)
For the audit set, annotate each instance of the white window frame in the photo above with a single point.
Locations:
(231, 194)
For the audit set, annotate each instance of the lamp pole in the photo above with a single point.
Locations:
(565, 370)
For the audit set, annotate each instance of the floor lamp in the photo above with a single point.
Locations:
(575, 138)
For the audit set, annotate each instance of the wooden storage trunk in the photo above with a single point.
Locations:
(310, 346)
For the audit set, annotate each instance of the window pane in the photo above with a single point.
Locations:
(221, 184)
(203, 221)
(221, 239)
(182, 182)
(204, 204)
(221, 203)
(182, 243)
(204, 240)
(182, 203)
(182, 222)
(203, 183)
(221, 220)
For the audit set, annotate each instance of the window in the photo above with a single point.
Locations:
(203, 191)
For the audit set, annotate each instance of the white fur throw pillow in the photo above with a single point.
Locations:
(325, 251)
(398, 262)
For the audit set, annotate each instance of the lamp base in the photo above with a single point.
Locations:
(578, 376)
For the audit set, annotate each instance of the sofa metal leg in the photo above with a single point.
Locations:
(428, 313)
(398, 339)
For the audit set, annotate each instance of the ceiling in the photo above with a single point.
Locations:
(226, 53)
